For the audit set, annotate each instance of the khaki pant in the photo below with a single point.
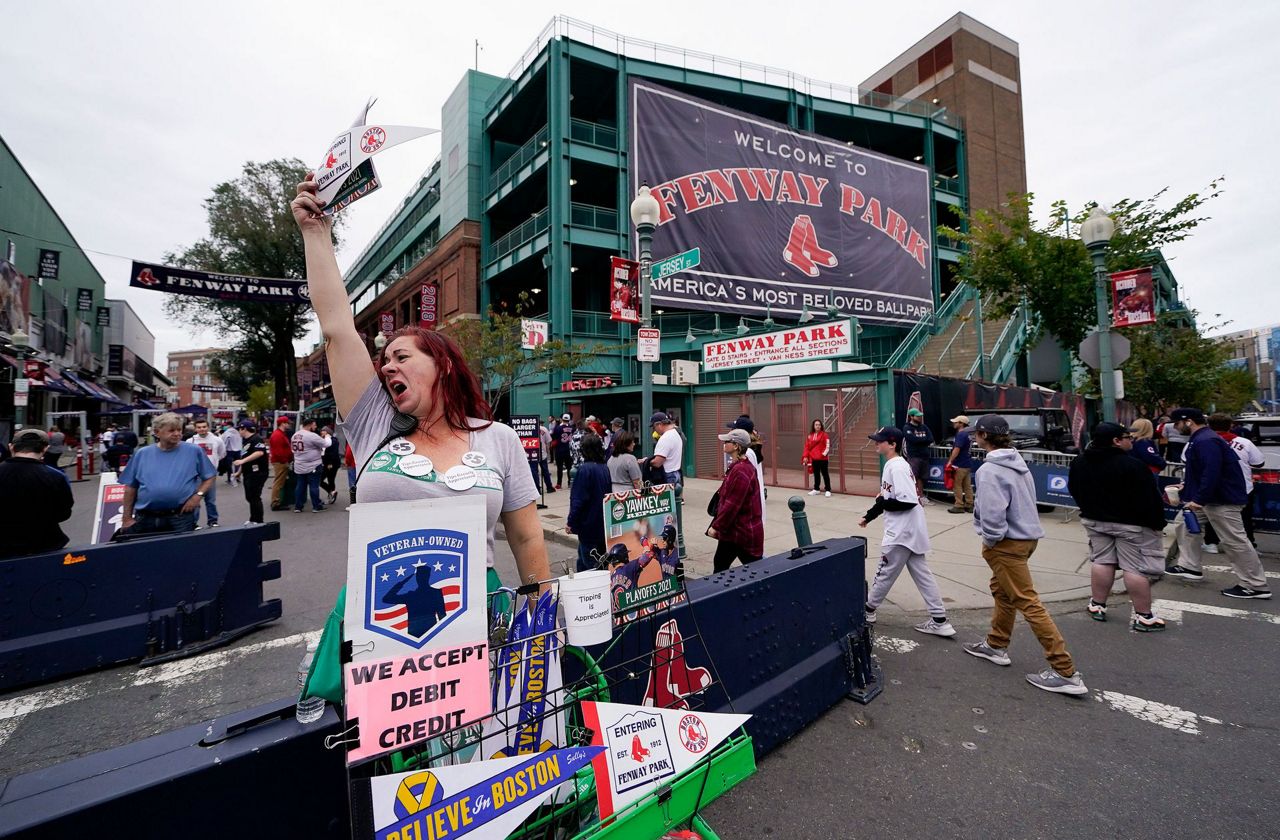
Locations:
(964, 488)
(1228, 522)
(279, 475)
(1014, 592)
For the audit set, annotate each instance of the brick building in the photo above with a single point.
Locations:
(193, 380)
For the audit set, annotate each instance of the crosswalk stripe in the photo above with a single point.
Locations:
(1173, 610)
(14, 709)
(1272, 575)
(1161, 714)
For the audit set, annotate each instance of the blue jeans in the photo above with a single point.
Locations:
(177, 523)
(210, 505)
(674, 478)
(301, 484)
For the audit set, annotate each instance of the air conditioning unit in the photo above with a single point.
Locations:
(683, 372)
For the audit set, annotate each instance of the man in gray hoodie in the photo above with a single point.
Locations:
(1005, 516)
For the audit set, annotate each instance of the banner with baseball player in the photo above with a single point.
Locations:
(784, 219)
(642, 550)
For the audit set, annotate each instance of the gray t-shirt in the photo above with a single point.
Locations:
(308, 451)
(623, 468)
(504, 477)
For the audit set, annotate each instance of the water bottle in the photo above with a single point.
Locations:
(310, 709)
(1190, 520)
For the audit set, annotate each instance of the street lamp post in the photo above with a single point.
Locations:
(644, 215)
(1096, 233)
(18, 341)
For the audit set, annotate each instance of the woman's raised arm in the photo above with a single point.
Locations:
(349, 363)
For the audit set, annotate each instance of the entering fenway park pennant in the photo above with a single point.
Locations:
(232, 287)
(784, 219)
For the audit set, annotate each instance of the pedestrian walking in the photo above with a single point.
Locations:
(755, 457)
(624, 469)
(544, 457)
(586, 503)
(906, 536)
(1213, 489)
(1005, 517)
(233, 444)
(817, 449)
(308, 457)
(330, 463)
(562, 437)
(1123, 517)
(214, 449)
(252, 467)
(1144, 446)
(57, 446)
(961, 464)
(738, 523)
(34, 498)
(281, 457)
(165, 482)
(919, 438)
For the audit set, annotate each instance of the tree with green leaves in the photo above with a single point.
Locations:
(1016, 259)
(1171, 365)
(251, 232)
(261, 398)
(493, 351)
(1235, 388)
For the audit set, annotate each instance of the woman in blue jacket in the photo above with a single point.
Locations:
(1144, 447)
(586, 502)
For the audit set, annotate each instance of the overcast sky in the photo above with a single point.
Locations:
(127, 113)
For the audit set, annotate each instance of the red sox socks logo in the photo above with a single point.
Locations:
(147, 278)
(671, 679)
(802, 250)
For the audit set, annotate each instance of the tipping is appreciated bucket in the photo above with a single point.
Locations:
(588, 615)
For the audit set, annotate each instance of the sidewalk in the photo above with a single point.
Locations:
(1060, 565)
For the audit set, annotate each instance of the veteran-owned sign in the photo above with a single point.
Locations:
(798, 344)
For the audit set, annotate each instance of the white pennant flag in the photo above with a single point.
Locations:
(645, 747)
(346, 173)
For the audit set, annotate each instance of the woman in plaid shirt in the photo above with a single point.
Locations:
(738, 523)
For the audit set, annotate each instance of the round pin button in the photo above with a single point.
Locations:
(460, 477)
(474, 459)
(401, 446)
(416, 465)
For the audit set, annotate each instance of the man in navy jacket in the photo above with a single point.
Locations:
(1213, 488)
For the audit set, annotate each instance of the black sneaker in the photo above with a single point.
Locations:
(1184, 573)
(1239, 591)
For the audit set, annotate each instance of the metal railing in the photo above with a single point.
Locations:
(508, 242)
(948, 184)
(640, 49)
(926, 328)
(521, 157)
(594, 134)
(1004, 353)
(591, 216)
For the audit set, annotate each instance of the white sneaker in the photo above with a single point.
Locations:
(815, 492)
(1210, 549)
(828, 494)
(933, 628)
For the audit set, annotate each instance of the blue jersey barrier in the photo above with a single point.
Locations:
(152, 599)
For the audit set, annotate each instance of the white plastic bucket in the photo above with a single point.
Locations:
(588, 615)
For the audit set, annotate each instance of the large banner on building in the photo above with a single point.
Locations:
(784, 219)
(15, 298)
(183, 281)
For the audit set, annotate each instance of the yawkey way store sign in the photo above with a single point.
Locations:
(798, 344)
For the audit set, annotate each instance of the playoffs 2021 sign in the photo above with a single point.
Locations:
(644, 523)
(783, 218)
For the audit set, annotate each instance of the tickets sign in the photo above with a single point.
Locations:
(415, 576)
(405, 700)
(645, 747)
(489, 798)
(798, 344)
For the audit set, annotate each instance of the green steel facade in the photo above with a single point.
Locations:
(540, 160)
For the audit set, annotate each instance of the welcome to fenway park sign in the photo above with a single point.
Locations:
(784, 219)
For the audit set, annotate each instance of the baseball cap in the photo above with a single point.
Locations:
(1195, 415)
(659, 417)
(591, 418)
(960, 418)
(617, 421)
(249, 425)
(743, 422)
(887, 434)
(738, 436)
(992, 424)
(30, 436)
(914, 412)
(280, 421)
(1107, 432)
(566, 416)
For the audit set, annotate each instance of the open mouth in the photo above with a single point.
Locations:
(397, 388)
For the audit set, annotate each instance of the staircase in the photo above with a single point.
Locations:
(954, 350)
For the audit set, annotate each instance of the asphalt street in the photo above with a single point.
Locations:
(1177, 737)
